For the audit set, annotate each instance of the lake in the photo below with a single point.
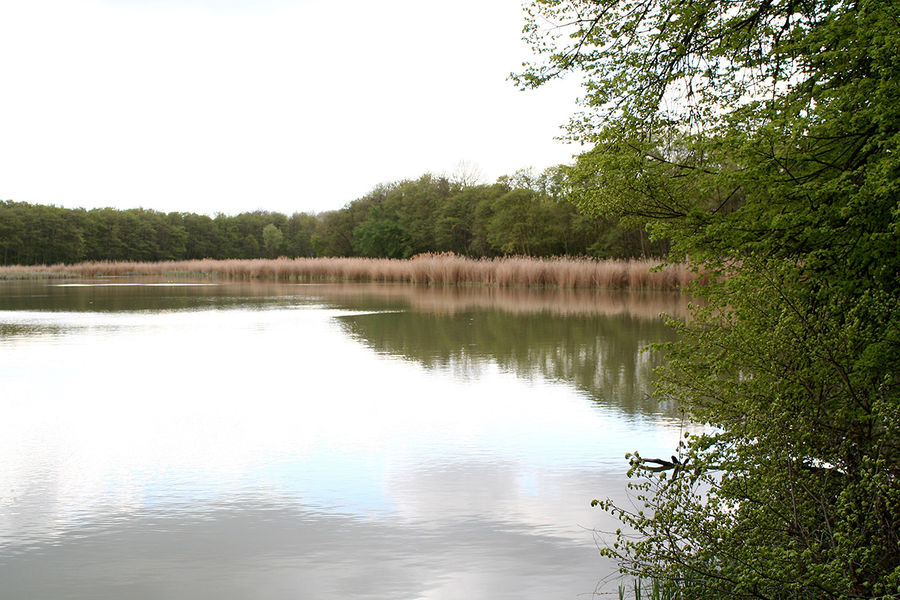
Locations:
(263, 440)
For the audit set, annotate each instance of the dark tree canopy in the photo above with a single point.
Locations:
(522, 214)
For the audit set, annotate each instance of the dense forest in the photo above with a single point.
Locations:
(522, 214)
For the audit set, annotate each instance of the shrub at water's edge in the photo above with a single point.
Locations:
(432, 269)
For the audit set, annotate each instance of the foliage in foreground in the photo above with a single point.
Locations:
(763, 137)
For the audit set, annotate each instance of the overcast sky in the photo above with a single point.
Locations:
(284, 105)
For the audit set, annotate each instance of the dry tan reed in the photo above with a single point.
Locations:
(431, 269)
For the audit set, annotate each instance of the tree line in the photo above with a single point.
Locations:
(40, 234)
(523, 214)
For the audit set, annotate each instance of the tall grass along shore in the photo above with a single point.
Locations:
(432, 269)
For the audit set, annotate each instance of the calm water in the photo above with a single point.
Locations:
(317, 441)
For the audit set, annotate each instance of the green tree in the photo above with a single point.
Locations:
(201, 237)
(249, 247)
(299, 234)
(10, 231)
(272, 239)
(763, 138)
(453, 221)
(416, 204)
(334, 234)
(523, 223)
(380, 236)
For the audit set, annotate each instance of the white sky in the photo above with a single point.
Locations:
(285, 105)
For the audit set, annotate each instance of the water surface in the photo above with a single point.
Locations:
(317, 441)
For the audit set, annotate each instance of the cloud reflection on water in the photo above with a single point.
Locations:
(260, 451)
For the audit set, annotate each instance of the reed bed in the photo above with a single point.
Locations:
(430, 269)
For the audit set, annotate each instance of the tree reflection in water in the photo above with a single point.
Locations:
(593, 341)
